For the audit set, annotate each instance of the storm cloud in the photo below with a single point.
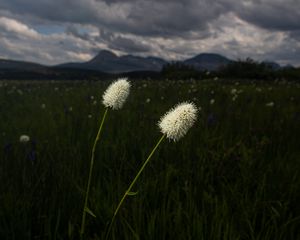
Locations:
(172, 29)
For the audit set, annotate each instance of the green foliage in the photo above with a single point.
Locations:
(247, 69)
(234, 176)
(178, 70)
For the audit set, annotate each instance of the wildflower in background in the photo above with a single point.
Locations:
(270, 104)
(116, 94)
(43, 106)
(8, 148)
(211, 120)
(233, 91)
(24, 138)
(212, 101)
(114, 97)
(173, 125)
(148, 100)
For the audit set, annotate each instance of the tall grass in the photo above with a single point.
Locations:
(235, 176)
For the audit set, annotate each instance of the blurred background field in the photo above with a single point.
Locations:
(234, 176)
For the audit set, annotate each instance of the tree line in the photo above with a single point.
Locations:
(241, 69)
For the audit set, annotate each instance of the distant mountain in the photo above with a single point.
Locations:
(107, 61)
(11, 69)
(20, 65)
(207, 61)
(272, 65)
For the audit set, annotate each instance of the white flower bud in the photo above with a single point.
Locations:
(24, 139)
(116, 94)
(176, 122)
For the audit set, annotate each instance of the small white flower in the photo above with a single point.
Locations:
(233, 91)
(176, 122)
(148, 100)
(43, 106)
(270, 104)
(212, 101)
(24, 139)
(90, 116)
(116, 94)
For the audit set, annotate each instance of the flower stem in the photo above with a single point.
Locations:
(90, 176)
(127, 192)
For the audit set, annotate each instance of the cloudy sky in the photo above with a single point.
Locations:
(56, 31)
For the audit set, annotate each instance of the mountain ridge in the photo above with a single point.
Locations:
(108, 62)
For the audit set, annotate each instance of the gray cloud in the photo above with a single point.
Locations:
(128, 45)
(270, 14)
(140, 17)
(173, 29)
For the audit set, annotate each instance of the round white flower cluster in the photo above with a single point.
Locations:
(24, 139)
(116, 94)
(176, 122)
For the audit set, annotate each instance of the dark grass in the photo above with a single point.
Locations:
(234, 176)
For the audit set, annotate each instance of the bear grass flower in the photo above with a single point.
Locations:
(24, 138)
(173, 125)
(176, 122)
(116, 94)
(114, 97)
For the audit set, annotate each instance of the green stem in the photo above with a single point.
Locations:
(90, 176)
(131, 185)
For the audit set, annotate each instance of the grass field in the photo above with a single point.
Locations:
(235, 175)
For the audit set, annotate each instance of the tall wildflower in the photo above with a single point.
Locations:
(114, 97)
(173, 125)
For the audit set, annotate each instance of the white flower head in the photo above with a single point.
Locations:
(177, 121)
(116, 94)
(24, 139)
(270, 104)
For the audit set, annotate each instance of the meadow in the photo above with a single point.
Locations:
(235, 175)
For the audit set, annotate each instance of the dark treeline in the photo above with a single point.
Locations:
(241, 69)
